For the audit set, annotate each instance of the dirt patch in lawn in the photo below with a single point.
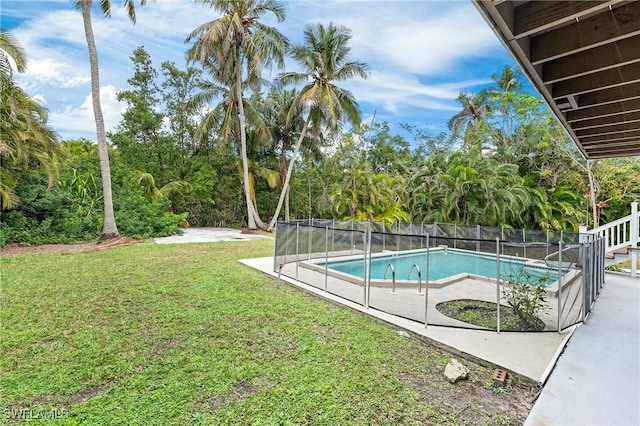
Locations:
(88, 393)
(475, 401)
(239, 392)
(16, 249)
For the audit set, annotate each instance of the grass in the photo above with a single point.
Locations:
(184, 334)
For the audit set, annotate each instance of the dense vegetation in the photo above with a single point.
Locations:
(214, 144)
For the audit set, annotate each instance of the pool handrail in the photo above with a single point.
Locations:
(417, 268)
(393, 276)
(569, 265)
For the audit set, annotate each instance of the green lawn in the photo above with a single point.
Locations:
(184, 334)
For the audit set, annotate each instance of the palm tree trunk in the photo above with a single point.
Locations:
(287, 213)
(283, 172)
(254, 203)
(593, 195)
(109, 228)
(251, 223)
(285, 186)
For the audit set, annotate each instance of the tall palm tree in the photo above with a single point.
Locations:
(24, 133)
(324, 58)
(109, 227)
(222, 119)
(238, 43)
(508, 85)
(285, 130)
(508, 80)
(475, 109)
(261, 164)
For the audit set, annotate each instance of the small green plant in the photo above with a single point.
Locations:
(501, 419)
(499, 389)
(614, 268)
(525, 294)
(496, 387)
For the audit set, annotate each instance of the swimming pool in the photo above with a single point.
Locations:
(443, 264)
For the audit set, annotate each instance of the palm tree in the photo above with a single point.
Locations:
(10, 48)
(366, 195)
(257, 157)
(109, 227)
(324, 57)
(508, 85)
(236, 40)
(425, 192)
(24, 133)
(147, 183)
(475, 109)
(222, 119)
(557, 210)
(508, 80)
(284, 129)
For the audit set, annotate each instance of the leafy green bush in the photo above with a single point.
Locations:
(137, 217)
(44, 215)
(525, 294)
(72, 210)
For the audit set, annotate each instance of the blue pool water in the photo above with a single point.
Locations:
(444, 264)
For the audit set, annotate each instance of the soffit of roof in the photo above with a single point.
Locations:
(584, 59)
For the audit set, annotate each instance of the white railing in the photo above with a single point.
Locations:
(622, 233)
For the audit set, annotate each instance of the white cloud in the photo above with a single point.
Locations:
(52, 72)
(72, 121)
(431, 45)
(419, 37)
(62, 25)
(402, 94)
(418, 52)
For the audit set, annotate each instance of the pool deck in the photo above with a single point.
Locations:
(530, 355)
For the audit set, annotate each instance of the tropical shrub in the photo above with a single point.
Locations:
(526, 295)
(138, 217)
(72, 209)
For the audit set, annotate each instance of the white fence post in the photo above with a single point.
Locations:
(634, 238)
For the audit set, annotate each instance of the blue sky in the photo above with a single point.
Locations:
(421, 53)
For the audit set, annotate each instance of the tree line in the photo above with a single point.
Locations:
(214, 144)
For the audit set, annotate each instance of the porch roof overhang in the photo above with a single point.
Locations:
(584, 59)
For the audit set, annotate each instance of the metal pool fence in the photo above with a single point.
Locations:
(571, 264)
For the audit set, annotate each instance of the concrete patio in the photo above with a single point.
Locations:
(208, 235)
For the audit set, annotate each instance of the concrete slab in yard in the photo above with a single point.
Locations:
(208, 235)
